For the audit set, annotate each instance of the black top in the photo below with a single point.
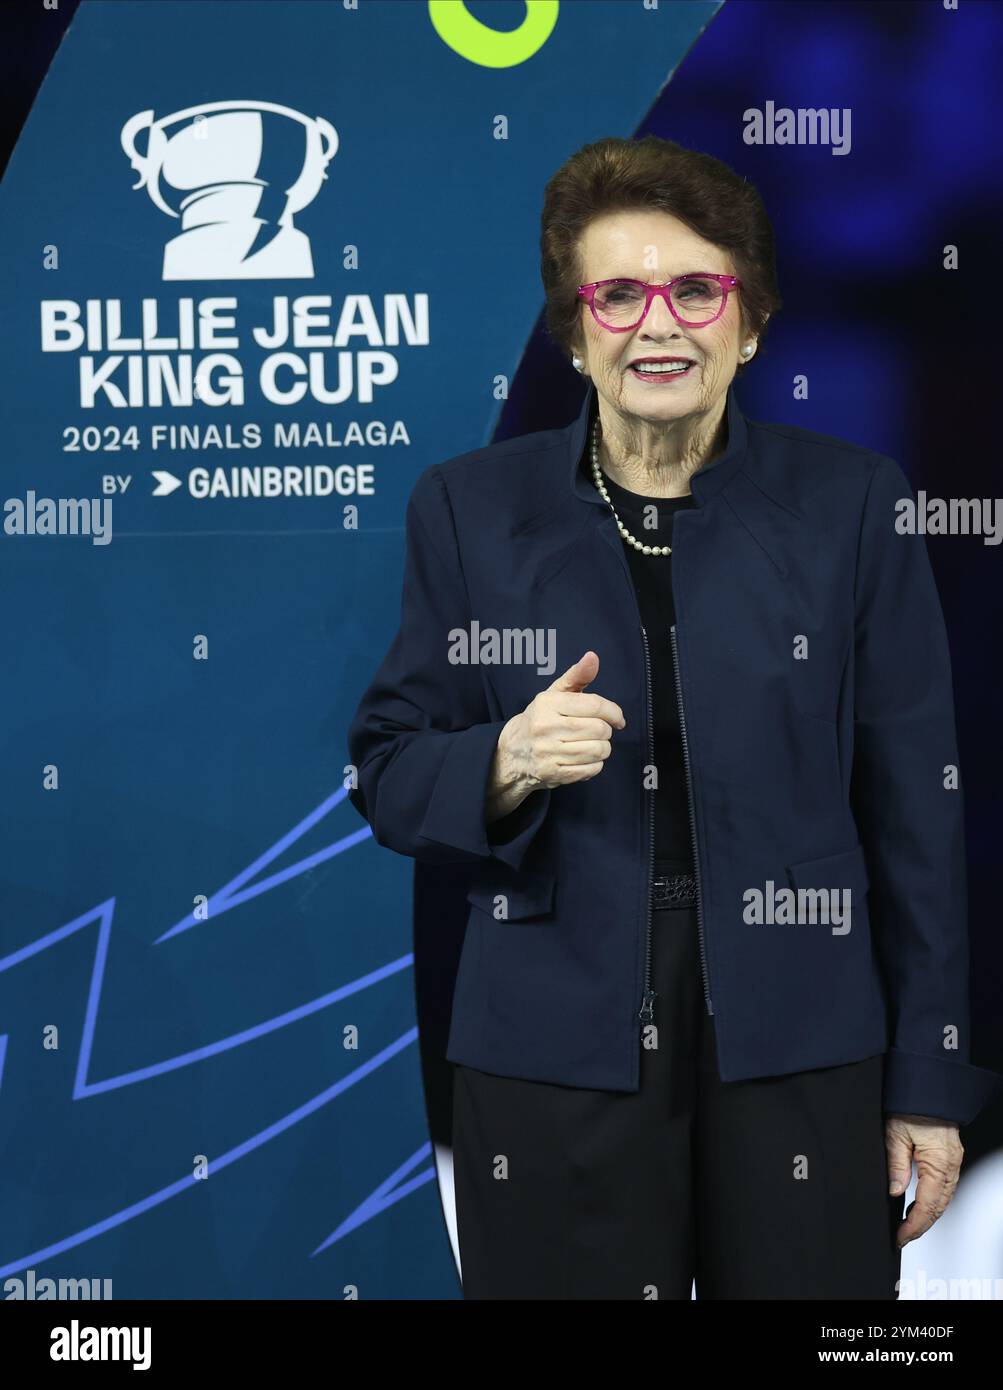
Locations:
(652, 575)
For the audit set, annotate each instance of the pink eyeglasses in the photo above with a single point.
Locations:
(620, 305)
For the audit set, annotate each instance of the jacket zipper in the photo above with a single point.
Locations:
(693, 816)
(647, 1011)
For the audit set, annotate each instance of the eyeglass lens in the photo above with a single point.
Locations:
(696, 300)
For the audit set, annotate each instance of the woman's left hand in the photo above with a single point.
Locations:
(937, 1150)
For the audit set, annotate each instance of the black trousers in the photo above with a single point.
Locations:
(772, 1188)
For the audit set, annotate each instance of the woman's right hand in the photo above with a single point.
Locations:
(562, 736)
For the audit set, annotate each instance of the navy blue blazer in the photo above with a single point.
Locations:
(814, 686)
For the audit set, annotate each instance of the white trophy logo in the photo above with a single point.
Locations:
(235, 190)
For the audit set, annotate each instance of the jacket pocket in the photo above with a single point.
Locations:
(513, 900)
(848, 869)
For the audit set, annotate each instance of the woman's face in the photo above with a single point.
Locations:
(654, 246)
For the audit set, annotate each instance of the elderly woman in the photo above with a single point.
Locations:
(675, 685)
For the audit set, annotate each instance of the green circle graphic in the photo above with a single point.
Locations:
(479, 43)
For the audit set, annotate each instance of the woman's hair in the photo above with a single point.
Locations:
(615, 175)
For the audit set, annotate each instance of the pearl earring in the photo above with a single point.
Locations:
(747, 350)
(576, 362)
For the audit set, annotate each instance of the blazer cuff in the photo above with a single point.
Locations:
(917, 1083)
(455, 813)
(510, 836)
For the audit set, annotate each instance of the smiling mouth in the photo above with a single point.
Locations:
(661, 371)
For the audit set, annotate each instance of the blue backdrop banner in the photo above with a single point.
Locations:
(261, 264)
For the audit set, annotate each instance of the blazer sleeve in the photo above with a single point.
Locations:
(421, 738)
(911, 824)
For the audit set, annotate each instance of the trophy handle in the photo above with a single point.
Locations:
(148, 165)
(328, 137)
(143, 120)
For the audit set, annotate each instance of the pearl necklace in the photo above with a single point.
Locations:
(597, 478)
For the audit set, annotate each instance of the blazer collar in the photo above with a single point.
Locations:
(704, 483)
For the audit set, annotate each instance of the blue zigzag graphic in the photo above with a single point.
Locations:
(384, 1196)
